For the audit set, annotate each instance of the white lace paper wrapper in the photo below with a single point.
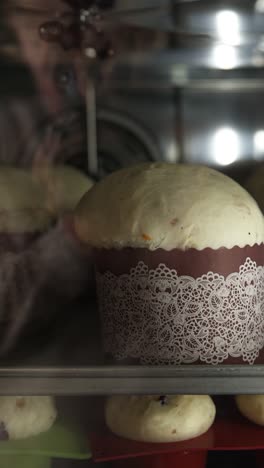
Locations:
(160, 318)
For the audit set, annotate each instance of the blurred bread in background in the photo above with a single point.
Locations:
(64, 186)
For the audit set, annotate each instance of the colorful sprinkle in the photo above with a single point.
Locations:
(20, 403)
(146, 237)
(174, 221)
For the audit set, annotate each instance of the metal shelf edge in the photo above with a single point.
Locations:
(132, 380)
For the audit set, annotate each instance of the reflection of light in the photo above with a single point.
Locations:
(259, 143)
(90, 52)
(225, 146)
(172, 152)
(259, 6)
(227, 23)
(224, 57)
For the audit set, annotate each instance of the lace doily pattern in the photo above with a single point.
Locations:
(161, 318)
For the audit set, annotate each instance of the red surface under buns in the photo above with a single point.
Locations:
(231, 431)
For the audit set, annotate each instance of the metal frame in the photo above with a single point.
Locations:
(132, 380)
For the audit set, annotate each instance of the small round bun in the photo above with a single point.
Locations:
(160, 419)
(23, 417)
(252, 407)
(22, 203)
(168, 206)
(65, 187)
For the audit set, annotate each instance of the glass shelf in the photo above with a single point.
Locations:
(102, 380)
(71, 363)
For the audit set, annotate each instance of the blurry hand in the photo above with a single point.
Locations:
(41, 56)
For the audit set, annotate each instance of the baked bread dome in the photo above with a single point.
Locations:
(160, 419)
(22, 203)
(252, 407)
(179, 259)
(23, 417)
(165, 206)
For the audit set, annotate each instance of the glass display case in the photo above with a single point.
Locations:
(88, 88)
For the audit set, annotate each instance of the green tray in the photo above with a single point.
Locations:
(24, 461)
(61, 441)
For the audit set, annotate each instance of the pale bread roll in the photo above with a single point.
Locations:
(252, 407)
(22, 203)
(167, 206)
(64, 186)
(149, 419)
(23, 417)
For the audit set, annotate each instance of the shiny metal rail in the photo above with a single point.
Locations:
(131, 380)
